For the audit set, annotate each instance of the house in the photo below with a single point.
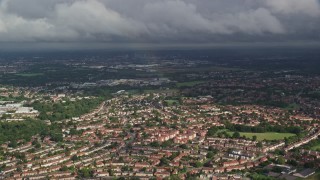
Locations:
(141, 165)
(239, 167)
(207, 170)
(219, 170)
(162, 174)
(102, 174)
(230, 163)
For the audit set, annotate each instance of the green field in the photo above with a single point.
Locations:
(266, 136)
(316, 148)
(189, 84)
(172, 102)
(293, 106)
(29, 74)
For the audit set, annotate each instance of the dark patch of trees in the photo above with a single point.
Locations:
(13, 131)
(59, 111)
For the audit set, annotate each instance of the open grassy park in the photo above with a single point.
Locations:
(316, 148)
(172, 102)
(314, 145)
(266, 135)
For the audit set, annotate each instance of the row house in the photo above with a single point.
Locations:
(59, 174)
(26, 146)
(273, 147)
(58, 156)
(162, 174)
(102, 174)
(230, 163)
(238, 167)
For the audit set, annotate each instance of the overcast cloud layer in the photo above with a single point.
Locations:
(165, 21)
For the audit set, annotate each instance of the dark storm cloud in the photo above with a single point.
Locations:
(159, 20)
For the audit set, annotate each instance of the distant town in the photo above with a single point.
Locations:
(168, 115)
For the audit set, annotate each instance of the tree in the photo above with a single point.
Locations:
(64, 168)
(110, 171)
(155, 144)
(213, 149)
(279, 152)
(198, 164)
(236, 135)
(259, 144)
(13, 144)
(277, 169)
(167, 143)
(210, 154)
(74, 158)
(134, 178)
(183, 146)
(24, 130)
(212, 131)
(254, 138)
(125, 168)
(65, 110)
(281, 160)
(164, 161)
(293, 162)
(85, 173)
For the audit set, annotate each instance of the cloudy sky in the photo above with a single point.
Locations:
(159, 21)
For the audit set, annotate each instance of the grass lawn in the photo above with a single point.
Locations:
(172, 102)
(29, 74)
(266, 136)
(133, 91)
(292, 106)
(316, 148)
(189, 84)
